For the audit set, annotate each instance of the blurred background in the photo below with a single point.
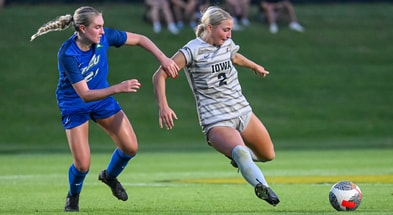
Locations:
(214, 2)
(329, 87)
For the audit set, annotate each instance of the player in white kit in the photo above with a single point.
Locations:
(224, 113)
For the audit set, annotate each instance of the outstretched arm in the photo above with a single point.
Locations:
(169, 66)
(87, 95)
(241, 60)
(166, 114)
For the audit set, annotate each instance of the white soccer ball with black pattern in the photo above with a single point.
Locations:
(345, 196)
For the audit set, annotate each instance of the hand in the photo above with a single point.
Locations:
(259, 70)
(170, 68)
(166, 117)
(129, 86)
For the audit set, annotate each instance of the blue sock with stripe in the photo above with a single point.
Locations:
(117, 163)
(75, 179)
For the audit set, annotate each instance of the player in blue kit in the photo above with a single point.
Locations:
(83, 93)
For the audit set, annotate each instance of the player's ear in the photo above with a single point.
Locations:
(209, 27)
(82, 28)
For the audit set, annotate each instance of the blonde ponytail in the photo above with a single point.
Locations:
(59, 24)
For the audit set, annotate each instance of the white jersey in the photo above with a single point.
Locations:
(214, 81)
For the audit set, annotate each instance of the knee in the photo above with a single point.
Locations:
(82, 167)
(130, 149)
(82, 163)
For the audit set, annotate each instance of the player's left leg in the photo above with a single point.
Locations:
(120, 130)
(257, 138)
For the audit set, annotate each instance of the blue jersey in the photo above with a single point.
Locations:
(75, 65)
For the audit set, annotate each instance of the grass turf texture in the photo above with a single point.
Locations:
(161, 183)
(327, 104)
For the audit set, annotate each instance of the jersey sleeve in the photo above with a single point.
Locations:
(234, 48)
(188, 55)
(190, 51)
(115, 37)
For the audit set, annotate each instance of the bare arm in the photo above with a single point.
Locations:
(167, 64)
(87, 95)
(166, 113)
(240, 60)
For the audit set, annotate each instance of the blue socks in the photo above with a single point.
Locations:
(247, 167)
(75, 179)
(117, 163)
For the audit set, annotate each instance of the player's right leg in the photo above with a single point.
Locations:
(229, 142)
(79, 146)
(258, 140)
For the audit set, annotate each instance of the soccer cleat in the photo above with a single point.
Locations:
(233, 162)
(72, 203)
(117, 190)
(267, 194)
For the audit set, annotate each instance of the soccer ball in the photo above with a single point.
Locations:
(345, 196)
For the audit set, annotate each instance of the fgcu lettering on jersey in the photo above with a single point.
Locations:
(92, 66)
(219, 67)
(87, 73)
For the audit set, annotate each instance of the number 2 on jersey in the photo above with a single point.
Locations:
(222, 78)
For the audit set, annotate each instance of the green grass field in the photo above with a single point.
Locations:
(327, 104)
(198, 183)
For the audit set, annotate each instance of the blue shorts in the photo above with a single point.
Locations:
(101, 110)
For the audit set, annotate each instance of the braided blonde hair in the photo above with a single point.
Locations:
(82, 16)
(58, 24)
(214, 16)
